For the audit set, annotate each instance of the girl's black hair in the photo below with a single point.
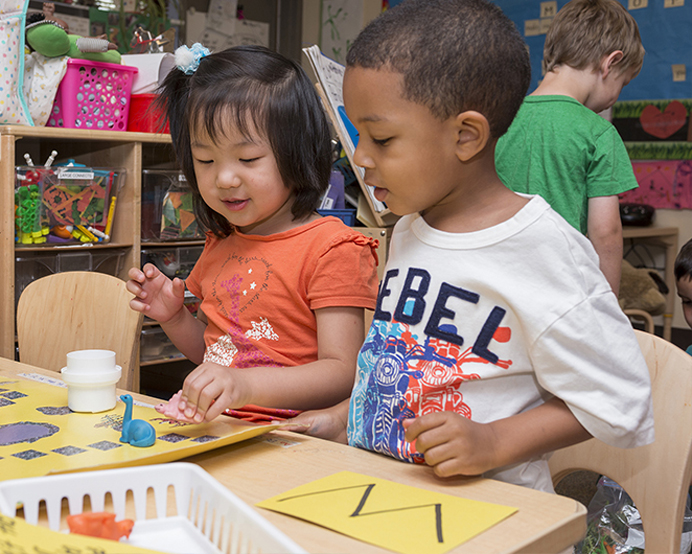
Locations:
(255, 90)
(683, 262)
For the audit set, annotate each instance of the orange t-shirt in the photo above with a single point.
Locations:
(259, 293)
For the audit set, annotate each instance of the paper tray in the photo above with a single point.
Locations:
(199, 516)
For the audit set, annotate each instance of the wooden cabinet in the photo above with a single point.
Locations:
(132, 151)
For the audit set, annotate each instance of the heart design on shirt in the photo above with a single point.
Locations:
(250, 279)
(663, 124)
(254, 273)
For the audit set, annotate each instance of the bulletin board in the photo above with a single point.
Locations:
(664, 26)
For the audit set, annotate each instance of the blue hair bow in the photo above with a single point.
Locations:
(187, 59)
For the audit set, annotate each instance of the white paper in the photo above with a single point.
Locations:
(250, 33)
(153, 68)
(331, 78)
(222, 16)
(195, 23)
(341, 22)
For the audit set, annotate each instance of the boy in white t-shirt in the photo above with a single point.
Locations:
(496, 338)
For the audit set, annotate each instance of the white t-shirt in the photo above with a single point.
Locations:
(492, 323)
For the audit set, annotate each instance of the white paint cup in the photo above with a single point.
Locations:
(90, 376)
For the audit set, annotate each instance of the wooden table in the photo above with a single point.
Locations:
(667, 238)
(260, 468)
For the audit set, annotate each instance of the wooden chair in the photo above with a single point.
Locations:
(78, 310)
(641, 315)
(656, 476)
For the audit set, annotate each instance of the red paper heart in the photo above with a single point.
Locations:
(663, 125)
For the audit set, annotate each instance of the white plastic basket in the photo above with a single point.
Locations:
(208, 517)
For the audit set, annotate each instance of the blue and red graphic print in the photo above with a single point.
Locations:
(399, 378)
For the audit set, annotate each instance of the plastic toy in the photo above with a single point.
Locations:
(136, 432)
(100, 524)
(28, 220)
(172, 409)
(50, 36)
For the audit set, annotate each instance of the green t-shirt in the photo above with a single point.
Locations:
(561, 150)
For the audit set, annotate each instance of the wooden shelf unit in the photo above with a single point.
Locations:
(133, 151)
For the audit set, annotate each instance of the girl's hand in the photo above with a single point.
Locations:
(452, 444)
(172, 408)
(155, 294)
(329, 424)
(210, 389)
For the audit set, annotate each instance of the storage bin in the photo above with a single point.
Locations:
(347, 216)
(167, 212)
(155, 345)
(173, 262)
(144, 118)
(200, 515)
(191, 302)
(58, 205)
(93, 95)
(34, 265)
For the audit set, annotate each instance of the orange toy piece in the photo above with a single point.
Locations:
(100, 524)
(62, 231)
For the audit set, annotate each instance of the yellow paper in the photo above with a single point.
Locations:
(16, 535)
(40, 435)
(390, 515)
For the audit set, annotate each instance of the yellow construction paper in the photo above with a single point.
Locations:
(18, 536)
(390, 515)
(40, 435)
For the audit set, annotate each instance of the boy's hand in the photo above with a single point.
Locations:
(329, 424)
(452, 444)
(156, 296)
(210, 389)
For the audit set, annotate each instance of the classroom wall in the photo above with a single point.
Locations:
(311, 19)
(664, 29)
(371, 8)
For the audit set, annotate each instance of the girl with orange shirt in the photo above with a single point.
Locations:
(282, 290)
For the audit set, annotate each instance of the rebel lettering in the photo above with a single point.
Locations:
(480, 347)
(441, 311)
(415, 295)
(412, 299)
(380, 314)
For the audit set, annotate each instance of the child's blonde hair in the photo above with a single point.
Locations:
(584, 31)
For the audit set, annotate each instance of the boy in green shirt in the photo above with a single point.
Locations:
(557, 146)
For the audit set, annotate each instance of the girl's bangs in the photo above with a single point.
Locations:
(242, 107)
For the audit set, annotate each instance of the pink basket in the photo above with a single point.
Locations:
(93, 95)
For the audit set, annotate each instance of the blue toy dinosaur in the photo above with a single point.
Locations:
(137, 432)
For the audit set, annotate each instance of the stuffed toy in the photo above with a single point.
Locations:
(50, 46)
(642, 289)
(51, 37)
